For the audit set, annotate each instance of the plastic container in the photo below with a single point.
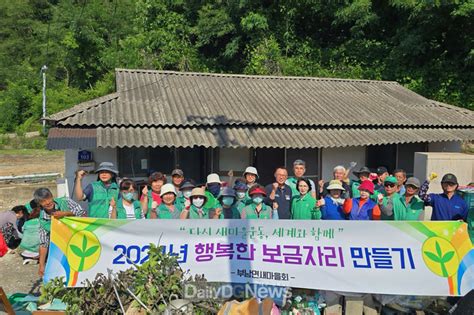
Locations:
(467, 193)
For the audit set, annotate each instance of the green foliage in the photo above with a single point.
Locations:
(21, 142)
(266, 58)
(156, 282)
(424, 45)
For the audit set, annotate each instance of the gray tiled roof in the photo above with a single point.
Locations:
(165, 108)
(71, 138)
(248, 137)
(271, 137)
(166, 98)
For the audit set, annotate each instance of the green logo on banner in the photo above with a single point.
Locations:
(440, 256)
(83, 250)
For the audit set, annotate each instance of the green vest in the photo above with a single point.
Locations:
(251, 213)
(247, 199)
(211, 202)
(150, 201)
(355, 189)
(292, 183)
(28, 208)
(242, 203)
(304, 208)
(413, 209)
(234, 211)
(164, 212)
(194, 213)
(122, 214)
(61, 205)
(180, 201)
(101, 196)
(399, 208)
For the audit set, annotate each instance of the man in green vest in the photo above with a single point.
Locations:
(99, 193)
(390, 203)
(414, 206)
(299, 169)
(52, 207)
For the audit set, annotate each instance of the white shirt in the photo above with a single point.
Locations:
(130, 211)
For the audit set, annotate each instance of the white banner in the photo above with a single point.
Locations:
(408, 258)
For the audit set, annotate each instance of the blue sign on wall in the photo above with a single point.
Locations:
(84, 156)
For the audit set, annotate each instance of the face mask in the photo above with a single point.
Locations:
(187, 194)
(257, 200)
(240, 194)
(129, 196)
(214, 189)
(198, 202)
(227, 201)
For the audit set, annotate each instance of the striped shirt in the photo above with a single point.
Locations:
(72, 206)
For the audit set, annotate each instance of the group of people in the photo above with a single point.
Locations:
(372, 196)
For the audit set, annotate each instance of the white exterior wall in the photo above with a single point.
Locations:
(461, 165)
(332, 157)
(99, 155)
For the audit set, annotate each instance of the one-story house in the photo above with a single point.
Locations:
(209, 122)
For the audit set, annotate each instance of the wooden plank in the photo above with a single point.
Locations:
(6, 303)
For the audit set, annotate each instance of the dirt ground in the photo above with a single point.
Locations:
(26, 162)
(14, 276)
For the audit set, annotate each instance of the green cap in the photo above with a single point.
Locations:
(390, 179)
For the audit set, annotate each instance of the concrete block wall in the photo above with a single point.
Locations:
(460, 164)
(99, 155)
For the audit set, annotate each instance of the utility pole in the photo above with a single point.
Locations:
(43, 71)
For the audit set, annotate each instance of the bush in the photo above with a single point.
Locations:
(156, 282)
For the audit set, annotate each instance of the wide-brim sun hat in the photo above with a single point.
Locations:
(198, 192)
(167, 188)
(362, 170)
(227, 192)
(213, 178)
(187, 185)
(335, 184)
(251, 170)
(107, 166)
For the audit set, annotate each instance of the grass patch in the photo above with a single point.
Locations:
(35, 152)
(22, 142)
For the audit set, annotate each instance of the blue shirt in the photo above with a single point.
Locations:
(402, 190)
(331, 210)
(445, 209)
(282, 198)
